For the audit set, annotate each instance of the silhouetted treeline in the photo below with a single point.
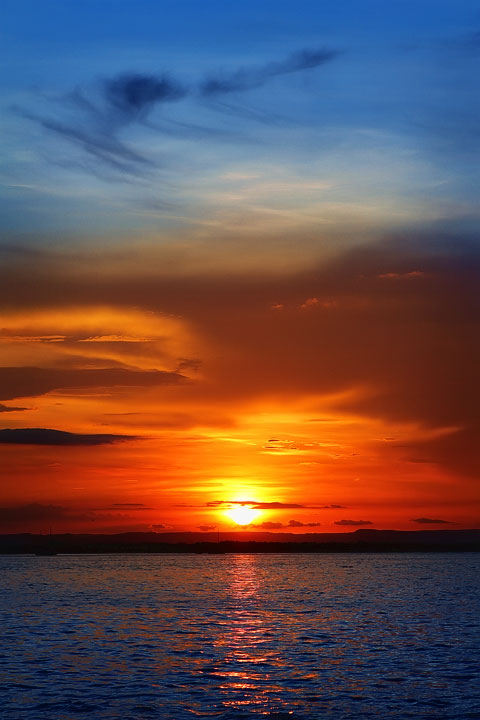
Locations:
(358, 541)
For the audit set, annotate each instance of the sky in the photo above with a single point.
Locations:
(240, 265)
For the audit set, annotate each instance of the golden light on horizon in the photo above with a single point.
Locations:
(242, 515)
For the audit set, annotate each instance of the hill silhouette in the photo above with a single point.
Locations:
(363, 540)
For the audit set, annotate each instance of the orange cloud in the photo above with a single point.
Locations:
(373, 407)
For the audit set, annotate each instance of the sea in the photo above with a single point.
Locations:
(239, 636)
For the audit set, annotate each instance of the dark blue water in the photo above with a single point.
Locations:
(240, 636)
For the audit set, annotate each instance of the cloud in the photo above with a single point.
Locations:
(254, 504)
(411, 275)
(276, 525)
(9, 408)
(101, 144)
(47, 436)
(130, 505)
(113, 339)
(266, 525)
(309, 303)
(276, 505)
(33, 513)
(280, 446)
(94, 120)
(18, 382)
(125, 507)
(193, 364)
(133, 95)
(416, 356)
(431, 521)
(206, 528)
(245, 79)
(353, 523)
(94, 124)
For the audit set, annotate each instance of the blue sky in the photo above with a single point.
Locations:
(379, 136)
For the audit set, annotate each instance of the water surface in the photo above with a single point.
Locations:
(126, 637)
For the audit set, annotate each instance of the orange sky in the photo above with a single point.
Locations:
(332, 392)
(239, 267)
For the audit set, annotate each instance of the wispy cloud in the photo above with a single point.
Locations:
(254, 504)
(411, 275)
(31, 381)
(103, 146)
(10, 408)
(138, 506)
(353, 523)
(248, 78)
(94, 119)
(94, 124)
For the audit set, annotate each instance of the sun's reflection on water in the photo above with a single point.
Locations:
(246, 673)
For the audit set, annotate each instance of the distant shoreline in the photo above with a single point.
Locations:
(360, 541)
(364, 551)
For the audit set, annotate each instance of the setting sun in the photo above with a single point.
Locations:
(242, 515)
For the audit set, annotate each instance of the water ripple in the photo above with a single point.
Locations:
(297, 637)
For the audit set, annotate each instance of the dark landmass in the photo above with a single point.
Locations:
(245, 542)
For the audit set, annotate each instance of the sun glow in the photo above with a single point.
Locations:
(242, 515)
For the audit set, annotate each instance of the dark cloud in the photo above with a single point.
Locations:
(131, 506)
(254, 504)
(134, 95)
(431, 521)
(126, 507)
(332, 507)
(352, 523)
(35, 513)
(276, 525)
(276, 505)
(245, 79)
(189, 364)
(16, 382)
(266, 525)
(10, 408)
(47, 436)
(206, 528)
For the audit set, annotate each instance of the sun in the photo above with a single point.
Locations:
(242, 515)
